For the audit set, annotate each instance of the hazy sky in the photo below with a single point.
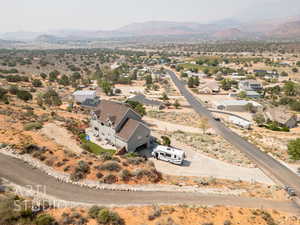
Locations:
(42, 15)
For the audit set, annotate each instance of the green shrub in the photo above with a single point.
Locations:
(77, 175)
(94, 211)
(110, 179)
(13, 89)
(107, 217)
(111, 166)
(83, 166)
(125, 175)
(3, 96)
(155, 214)
(33, 126)
(24, 95)
(37, 83)
(294, 149)
(45, 219)
(135, 161)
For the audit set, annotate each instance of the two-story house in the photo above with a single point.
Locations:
(250, 85)
(118, 124)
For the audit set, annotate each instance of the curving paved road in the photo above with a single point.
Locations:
(20, 173)
(269, 165)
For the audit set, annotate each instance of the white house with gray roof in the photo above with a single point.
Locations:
(119, 125)
(82, 95)
(250, 85)
(236, 105)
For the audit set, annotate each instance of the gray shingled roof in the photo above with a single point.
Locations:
(143, 100)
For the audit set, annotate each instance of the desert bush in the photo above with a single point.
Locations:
(227, 222)
(24, 95)
(155, 213)
(150, 164)
(50, 162)
(125, 175)
(76, 175)
(37, 83)
(33, 126)
(106, 216)
(67, 168)
(152, 175)
(135, 160)
(110, 179)
(83, 166)
(7, 214)
(45, 219)
(116, 159)
(13, 89)
(30, 148)
(99, 175)
(94, 210)
(106, 156)
(59, 164)
(111, 166)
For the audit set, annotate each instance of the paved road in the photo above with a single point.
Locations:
(269, 165)
(20, 173)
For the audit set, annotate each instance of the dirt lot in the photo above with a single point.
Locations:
(186, 215)
(61, 136)
(273, 142)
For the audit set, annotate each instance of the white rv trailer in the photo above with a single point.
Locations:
(240, 122)
(169, 154)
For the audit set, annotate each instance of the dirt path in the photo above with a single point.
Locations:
(19, 173)
(61, 136)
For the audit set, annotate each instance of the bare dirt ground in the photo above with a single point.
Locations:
(187, 215)
(273, 142)
(61, 136)
(167, 126)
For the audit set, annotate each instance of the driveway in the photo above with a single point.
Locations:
(199, 165)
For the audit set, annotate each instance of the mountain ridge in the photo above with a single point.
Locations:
(285, 28)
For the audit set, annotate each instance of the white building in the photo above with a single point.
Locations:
(81, 96)
(236, 105)
(240, 122)
(250, 85)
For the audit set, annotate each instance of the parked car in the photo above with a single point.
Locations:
(291, 192)
(169, 154)
(217, 118)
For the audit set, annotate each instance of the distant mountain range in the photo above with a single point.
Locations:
(229, 29)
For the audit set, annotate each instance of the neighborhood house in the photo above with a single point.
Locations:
(282, 117)
(250, 85)
(120, 126)
(81, 96)
(237, 105)
(154, 104)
